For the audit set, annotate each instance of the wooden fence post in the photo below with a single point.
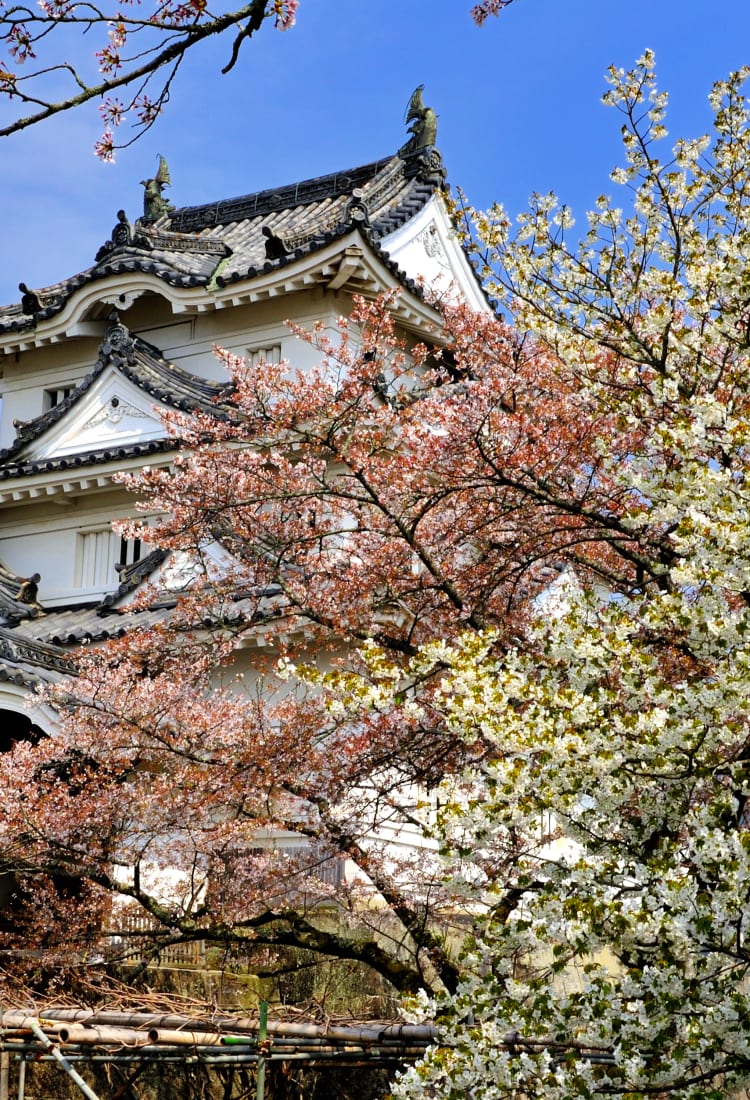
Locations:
(4, 1075)
(262, 1040)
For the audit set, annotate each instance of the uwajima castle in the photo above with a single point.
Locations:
(90, 364)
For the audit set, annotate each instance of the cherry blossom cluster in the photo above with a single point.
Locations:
(285, 13)
(482, 11)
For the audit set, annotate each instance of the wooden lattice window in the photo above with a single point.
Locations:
(98, 554)
(55, 396)
(270, 354)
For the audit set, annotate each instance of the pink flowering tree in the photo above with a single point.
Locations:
(203, 783)
(138, 55)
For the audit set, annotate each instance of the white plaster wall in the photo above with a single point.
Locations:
(427, 248)
(16, 698)
(28, 374)
(243, 328)
(187, 341)
(45, 540)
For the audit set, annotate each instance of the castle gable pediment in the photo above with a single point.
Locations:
(118, 406)
(113, 413)
(427, 248)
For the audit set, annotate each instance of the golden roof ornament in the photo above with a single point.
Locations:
(423, 127)
(154, 203)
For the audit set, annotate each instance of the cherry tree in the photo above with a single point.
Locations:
(473, 618)
(137, 56)
(350, 503)
(137, 59)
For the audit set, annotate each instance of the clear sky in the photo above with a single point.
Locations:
(518, 103)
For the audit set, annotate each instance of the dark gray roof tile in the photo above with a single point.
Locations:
(131, 576)
(69, 627)
(20, 651)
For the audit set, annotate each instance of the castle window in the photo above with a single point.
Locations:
(131, 551)
(271, 354)
(99, 552)
(55, 396)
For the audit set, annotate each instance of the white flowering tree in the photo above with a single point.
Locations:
(612, 738)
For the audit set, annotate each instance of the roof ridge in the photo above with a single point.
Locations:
(24, 650)
(206, 215)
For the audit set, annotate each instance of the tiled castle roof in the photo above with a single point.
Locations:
(144, 365)
(236, 239)
(65, 628)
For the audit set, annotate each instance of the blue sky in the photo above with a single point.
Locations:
(519, 105)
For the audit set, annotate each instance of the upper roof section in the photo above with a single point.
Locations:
(215, 245)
